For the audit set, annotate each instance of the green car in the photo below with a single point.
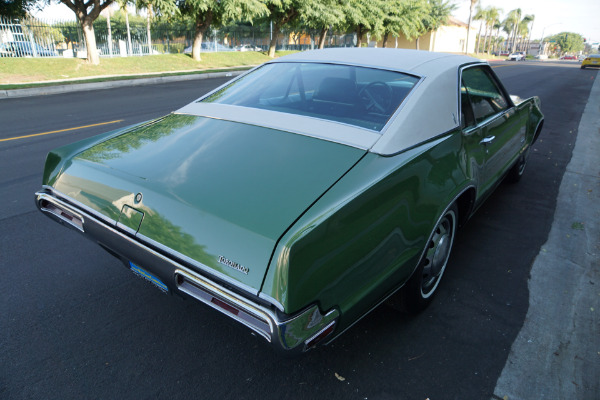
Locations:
(299, 196)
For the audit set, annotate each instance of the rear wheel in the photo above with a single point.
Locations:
(516, 172)
(418, 292)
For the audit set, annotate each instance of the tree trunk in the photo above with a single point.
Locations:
(273, 42)
(129, 49)
(385, 39)
(90, 41)
(110, 53)
(203, 21)
(485, 38)
(148, 17)
(322, 38)
(469, 26)
(478, 38)
(359, 35)
(417, 43)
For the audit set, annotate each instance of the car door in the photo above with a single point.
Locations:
(490, 126)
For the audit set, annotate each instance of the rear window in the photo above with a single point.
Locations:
(359, 96)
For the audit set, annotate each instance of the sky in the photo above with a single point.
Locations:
(551, 16)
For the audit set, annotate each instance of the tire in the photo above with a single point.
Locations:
(418, 292)
(583, 67)
(516, 172)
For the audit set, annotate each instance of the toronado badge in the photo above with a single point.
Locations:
(234, 265)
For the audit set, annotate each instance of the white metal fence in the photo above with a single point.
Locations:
(32, 37)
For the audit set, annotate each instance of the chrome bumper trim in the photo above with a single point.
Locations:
(56, 195)
(284, 332)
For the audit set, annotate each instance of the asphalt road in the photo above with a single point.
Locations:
(76, 324)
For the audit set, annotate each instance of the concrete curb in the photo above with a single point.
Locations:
(79, 87)
(555, 355)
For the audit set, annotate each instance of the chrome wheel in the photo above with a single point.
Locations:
(437, 253)
(516, 172)
(418, 291)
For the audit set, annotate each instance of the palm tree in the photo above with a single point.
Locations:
(526, 29)
(123, 7)
(512, 24)
(473, 3)
(493, 15)
(480, 15)
(497, 38)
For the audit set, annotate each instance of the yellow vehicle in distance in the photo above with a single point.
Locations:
(593, 60)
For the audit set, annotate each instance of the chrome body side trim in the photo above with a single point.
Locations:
(284, 332)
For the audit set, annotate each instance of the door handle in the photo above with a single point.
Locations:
(487, 140)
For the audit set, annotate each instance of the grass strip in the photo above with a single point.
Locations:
(115, 78)
(23, 72)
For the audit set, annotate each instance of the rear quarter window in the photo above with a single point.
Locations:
(359, 96)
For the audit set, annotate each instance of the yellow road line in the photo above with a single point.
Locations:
(62, 130)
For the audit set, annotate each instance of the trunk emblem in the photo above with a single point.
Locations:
(234, 265)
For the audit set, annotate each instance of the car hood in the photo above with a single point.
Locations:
(218, 194)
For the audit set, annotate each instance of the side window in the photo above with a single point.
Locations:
(485, 95)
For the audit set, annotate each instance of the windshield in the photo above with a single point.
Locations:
(359, 96)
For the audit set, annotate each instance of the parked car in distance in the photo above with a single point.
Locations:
(541, 57)
(302, 194)
(592, 60)
(25, 49)
(208, 47)
(5, 51)
(569, 57)
(247, 47)
(504, 53)
(517, 56)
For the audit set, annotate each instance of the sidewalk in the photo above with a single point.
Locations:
(557, 352)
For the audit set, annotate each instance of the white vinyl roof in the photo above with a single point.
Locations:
(411, 61)
(429, 110)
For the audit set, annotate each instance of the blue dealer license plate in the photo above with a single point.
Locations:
(142, 273)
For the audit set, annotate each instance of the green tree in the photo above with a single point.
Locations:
(87, 12)
(511, 27)
(493, 17)
(405, 17)
(364, 16)
(480, 15)
(322, 16)
(165, 8)
(568, 42)
(282, 13)
(19, 8)
(215, 13)
(123, 7)
(523, 30)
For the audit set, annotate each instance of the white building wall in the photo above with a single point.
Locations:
(453, 39)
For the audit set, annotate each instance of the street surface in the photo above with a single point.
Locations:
(76, 324)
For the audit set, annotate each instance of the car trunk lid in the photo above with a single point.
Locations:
(215, 192)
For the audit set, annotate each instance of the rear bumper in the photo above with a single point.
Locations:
(298, 332)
